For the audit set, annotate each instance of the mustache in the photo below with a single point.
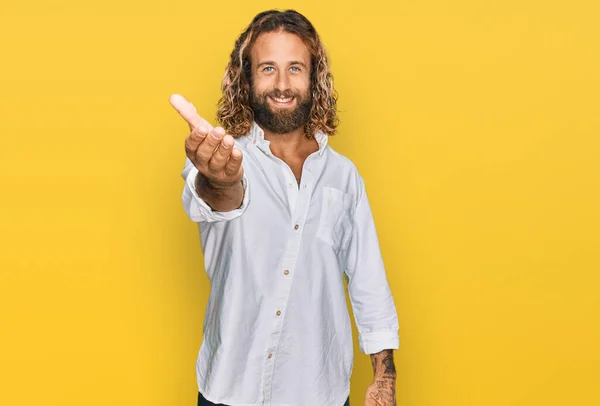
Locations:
(279, 94)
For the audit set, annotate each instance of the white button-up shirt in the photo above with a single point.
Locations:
(277, 329)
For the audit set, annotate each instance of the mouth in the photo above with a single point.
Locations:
(282, 101)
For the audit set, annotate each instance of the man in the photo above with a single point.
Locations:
(282, 218)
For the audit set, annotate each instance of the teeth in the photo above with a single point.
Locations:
(282, 100)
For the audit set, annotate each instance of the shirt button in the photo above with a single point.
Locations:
(278, 313)
(296, 227)
(270, 356)
(286, 272)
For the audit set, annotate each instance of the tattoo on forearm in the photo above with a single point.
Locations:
(388, 362)
(383, 363)
(384, 389)
(384, 393)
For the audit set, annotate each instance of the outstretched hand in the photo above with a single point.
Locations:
(210, 149)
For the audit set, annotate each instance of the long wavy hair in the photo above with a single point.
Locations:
(235, 114)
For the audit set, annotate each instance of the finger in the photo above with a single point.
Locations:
(187, 110)
(207, 148)
(234, 163)
(219, 158)
(194, 139)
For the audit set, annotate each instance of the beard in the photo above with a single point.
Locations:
(280, 121)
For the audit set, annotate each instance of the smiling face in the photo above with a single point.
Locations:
(280, 94)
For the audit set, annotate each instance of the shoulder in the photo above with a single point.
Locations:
(341, 161)
(347, 172)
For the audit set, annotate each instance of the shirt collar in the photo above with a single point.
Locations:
(257, 136)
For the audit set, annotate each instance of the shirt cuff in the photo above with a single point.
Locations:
(377, 341)
(198, 210)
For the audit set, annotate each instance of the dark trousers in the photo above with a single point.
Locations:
(204, 402)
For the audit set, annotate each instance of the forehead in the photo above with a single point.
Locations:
(279, 47)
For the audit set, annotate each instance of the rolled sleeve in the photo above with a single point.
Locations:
(372, 343)
(197, 209)
(370, 294)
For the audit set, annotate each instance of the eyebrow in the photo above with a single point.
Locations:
(273, 63)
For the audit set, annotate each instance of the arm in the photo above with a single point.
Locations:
(202, 209)
(383, 389)
(372, 303)
(219, 198)
(370, 294)
(216, 188)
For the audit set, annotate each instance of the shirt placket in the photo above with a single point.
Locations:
(299, 200)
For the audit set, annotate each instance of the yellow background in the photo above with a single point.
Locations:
(474, 123)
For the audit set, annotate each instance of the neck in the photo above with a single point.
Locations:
(291, 144)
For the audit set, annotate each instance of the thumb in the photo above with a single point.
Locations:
(188, 111)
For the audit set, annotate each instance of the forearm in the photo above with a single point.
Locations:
(219, 198)
(383, 364)
(384, 372)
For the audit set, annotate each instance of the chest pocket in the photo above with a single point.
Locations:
(335, 221)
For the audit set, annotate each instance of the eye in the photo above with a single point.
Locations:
(268, 69)
(295, 69)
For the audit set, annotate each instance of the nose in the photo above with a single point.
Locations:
(282, 83)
